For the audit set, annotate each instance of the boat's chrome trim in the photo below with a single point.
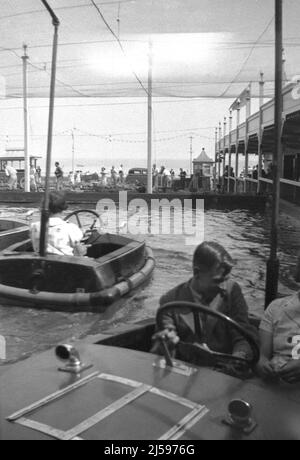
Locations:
(139, 389)
(51, 398)
(185, 424)
(41, 428)
(103, 414)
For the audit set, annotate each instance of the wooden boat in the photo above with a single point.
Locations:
(114, 266)
(12, 231)
(120, 391)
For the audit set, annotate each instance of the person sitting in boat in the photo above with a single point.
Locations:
(64, 238)
(280, 340)
(211, 287)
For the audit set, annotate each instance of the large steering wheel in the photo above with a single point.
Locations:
(207, 357)
(84, 211)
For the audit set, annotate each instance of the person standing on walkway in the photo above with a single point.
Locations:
(11, 173)
(33, 186)
(113, 176)
(103, 177)
(38, 177)
(59, 177)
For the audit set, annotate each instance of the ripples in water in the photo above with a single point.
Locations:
(244, 234)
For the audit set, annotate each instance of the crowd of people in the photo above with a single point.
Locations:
(35, 177)
(164, 178)
(113, 177)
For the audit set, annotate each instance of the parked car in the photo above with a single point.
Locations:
(137, 174)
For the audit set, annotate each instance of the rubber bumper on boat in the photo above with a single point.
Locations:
(111, 295)
(96, 301)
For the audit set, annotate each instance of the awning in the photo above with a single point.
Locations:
(291, 132)
(253, 144)
(241, 147)
(268, 139)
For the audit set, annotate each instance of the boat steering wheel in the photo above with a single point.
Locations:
(222, 361)
(84, 211)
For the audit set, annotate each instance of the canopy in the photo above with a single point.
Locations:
(253, 144)
(241, 147)
(203, 158)
(268, 139)
(201, 48)
(291, 132)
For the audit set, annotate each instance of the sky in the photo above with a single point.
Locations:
(204, 54)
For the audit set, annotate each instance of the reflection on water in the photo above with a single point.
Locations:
(244, 234)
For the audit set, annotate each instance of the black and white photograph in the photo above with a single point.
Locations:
(149, 223)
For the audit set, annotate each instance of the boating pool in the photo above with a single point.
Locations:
(244, 234)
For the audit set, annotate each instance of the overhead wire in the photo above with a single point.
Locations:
(249, 55)
(120, 44)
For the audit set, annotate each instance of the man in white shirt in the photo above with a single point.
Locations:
(11, 173)
(64, 238)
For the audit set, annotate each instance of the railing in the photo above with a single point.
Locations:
(289, 190)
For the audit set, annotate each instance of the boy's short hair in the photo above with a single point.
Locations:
(209, 255)
(57, 203)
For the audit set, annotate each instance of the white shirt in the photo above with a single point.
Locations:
(282, 320)
(62, 236)
(10, 171)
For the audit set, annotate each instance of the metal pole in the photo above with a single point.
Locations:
(224, 157)
(238, 119)
(216, 158)
(220, 155)
(191, 155)
(150, 85)
(248, 115)
(229, 162)
(26, 121)
(73, 151)
(273, 262)
(261, 89)
(260, 153)
(45, 210)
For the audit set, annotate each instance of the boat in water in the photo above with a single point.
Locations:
(114, 266)
(118, 390)
(12, 231)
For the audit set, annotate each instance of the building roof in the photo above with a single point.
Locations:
(203, 158)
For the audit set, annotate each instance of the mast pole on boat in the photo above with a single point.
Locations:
(150, 114)
(273, 262)
(45, 210)
(26, 117)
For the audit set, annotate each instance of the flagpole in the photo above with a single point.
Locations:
(273, 262)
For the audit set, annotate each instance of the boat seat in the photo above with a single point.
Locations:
(96, 251)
